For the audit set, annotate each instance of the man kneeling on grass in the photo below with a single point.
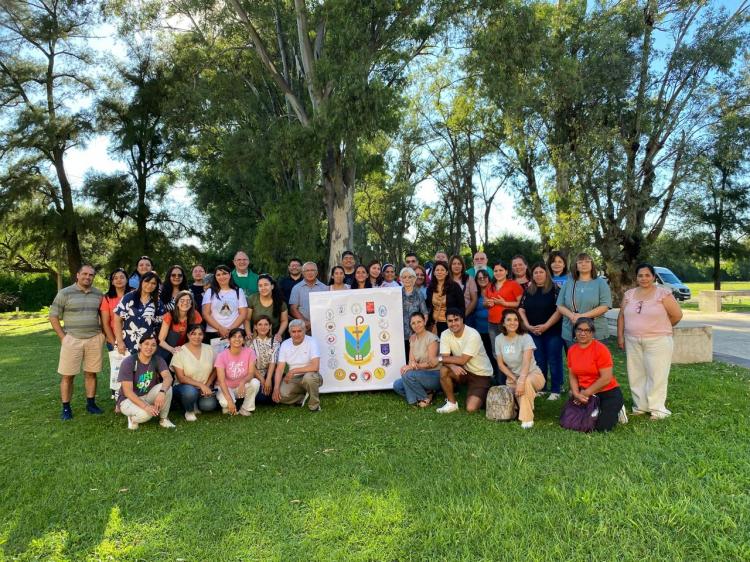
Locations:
(463, 361)
(146, 389)
(303, 380)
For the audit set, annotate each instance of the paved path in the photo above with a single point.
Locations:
(731, 334)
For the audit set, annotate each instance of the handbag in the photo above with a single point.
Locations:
(580, 417)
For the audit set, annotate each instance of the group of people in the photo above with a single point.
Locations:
(477, 327)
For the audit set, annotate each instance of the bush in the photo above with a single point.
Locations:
(37, 290)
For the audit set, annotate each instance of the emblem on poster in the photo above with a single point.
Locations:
(358, 343)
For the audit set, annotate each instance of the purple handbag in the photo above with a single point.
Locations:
(580, 417)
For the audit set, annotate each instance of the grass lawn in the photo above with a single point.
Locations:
(729, 304)
(368, 478)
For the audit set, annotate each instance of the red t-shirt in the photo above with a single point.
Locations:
(180, 327)
(510, 291)
(585, 364)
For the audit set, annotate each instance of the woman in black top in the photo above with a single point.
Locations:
(539, 314)
(442, 294)
(174, 282)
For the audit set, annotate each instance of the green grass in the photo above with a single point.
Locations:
(368, 478)
(729, 304)
(696, 288)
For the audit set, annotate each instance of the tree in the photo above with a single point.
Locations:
(717, 207)
(134, 115)
(43, 78)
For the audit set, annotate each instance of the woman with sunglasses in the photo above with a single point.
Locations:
(138, 313)
(175, 282)
(644, 330)
(585, 295)
(590, 370)
(173, 332)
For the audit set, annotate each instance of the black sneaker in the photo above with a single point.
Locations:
(67, 414)
(94, 409)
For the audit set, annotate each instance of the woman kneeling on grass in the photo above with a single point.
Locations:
(193, 365)
(590, 372)
(421, 377)
(146, 389)
(514, 350)
(236, 376)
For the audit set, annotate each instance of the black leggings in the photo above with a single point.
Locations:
(610, 404)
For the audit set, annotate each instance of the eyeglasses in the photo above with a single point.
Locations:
(178, 275)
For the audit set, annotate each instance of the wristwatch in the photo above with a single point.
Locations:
(440, 358)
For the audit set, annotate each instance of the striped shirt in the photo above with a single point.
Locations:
(79, 311)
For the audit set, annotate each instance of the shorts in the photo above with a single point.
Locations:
(476, 385)
(74, 351)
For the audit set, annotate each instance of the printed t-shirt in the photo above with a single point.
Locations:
(235, 366)
(260, 310)
(512, 349)
(145, 377)
(298, 355)
(470, 343)
(138, 319)
(198, 369)
(109, 304)
(509, 291)
(647, 318)
(225, 307)
(181, 327)
(585, 364)
(540, 307)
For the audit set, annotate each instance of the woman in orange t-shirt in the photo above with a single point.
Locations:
(174, 327)
(502, 293)
(590, 372)
(118, 286)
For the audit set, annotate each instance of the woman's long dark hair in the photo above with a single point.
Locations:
(135, 269)
(190, 316)
(379, 280)
(368, 285)
(448, 280)
(276, 296)
(464, 275)
(148, 277)
(166, 289)
(216, 289)
(112, 291)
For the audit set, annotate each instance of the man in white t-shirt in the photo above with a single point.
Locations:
(463, 361)
(301, 354)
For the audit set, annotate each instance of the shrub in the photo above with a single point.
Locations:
(37, 290)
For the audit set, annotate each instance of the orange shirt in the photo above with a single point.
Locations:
(585, 364)
(109, 304)
(180, 327)
(509, 291)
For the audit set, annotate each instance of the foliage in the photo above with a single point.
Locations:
(509, 245)
(28, 292)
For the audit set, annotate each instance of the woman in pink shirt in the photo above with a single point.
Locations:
(236, 376)
(644, 331)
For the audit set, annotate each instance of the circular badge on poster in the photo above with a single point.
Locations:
(385, 336)
(352, 377)
(366, 376)
(339, 374)
(380, 373)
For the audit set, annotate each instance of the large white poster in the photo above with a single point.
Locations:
(361, 338)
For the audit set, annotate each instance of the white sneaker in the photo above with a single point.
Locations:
(190, 416)
(133, 425)
(225, 410)
(244, 412)
(448, 408)
(527, 425)
(553, 396)
(622, 416)
(541, 393)
(660, 415)
(165, 423)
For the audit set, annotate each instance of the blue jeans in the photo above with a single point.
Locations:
(414, 385)
(548, 355)
(187, 396)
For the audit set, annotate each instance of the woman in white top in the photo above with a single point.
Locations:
(193, 365)
(389, 276)
(514, 350)
(224, 305)
(420, 378)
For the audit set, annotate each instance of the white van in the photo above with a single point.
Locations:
(669, 280)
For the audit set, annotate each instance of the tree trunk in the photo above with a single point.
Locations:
(141, 215)
(338, 182)
(69, 233)
(618, 263)
(717, 259)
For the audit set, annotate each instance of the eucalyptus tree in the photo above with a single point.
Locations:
(45, 80)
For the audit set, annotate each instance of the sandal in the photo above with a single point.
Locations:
(424, 403)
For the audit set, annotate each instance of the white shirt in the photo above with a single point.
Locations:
(470, 343)
(298, 355)
(226, 309)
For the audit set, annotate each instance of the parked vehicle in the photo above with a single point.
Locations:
(669, 280)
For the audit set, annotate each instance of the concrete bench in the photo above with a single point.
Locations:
(693, 341)
(710, 301)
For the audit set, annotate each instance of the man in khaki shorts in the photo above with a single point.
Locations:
(81, 338)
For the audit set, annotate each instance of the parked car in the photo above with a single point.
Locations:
(669, 280)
